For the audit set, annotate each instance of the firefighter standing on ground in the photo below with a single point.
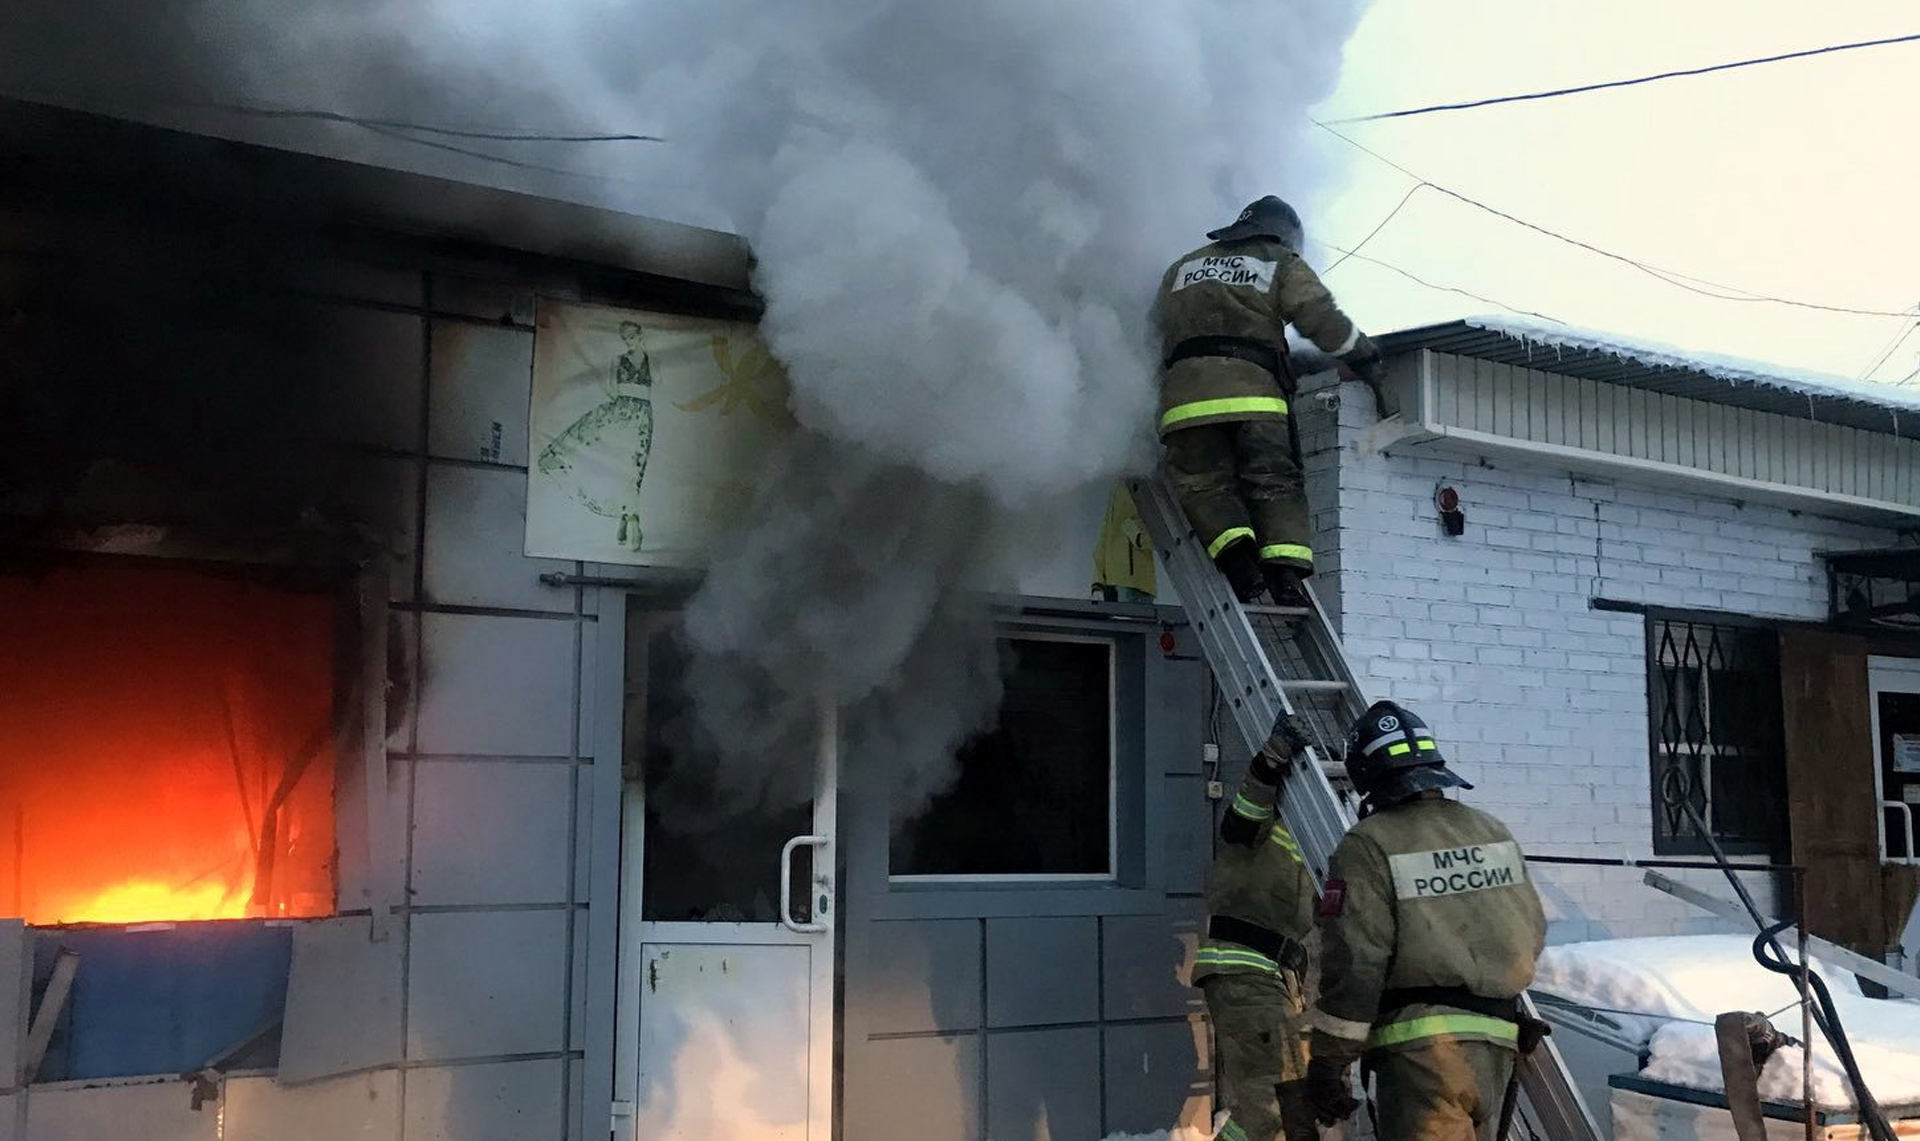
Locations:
(1429, 929)
(1232, 452)
(1252, 966)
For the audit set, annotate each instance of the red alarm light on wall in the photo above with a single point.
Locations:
(1452, 520)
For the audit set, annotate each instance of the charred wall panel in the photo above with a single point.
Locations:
(181, 389)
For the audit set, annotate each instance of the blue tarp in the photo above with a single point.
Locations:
(164, 1001)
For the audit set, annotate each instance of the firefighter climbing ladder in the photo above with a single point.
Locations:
(1268, 659)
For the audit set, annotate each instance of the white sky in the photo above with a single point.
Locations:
(1798, 179)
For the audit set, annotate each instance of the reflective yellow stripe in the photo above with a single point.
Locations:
(1287, 551)
(1285, 839)
(1228, 536)
(1234, 957)
(1433, 1025)
(1401, 748)
(1231, 1131)
(1226, 406)
(1250, 809)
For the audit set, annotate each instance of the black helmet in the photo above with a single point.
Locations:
(1267, 217)
(1391, 755)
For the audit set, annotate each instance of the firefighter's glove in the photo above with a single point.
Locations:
(1329, 1092)
(1289, 738)
(1364, 362)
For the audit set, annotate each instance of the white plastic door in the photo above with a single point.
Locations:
(726, 945)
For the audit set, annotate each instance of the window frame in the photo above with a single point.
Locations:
(1659, 750)
(1108, 878)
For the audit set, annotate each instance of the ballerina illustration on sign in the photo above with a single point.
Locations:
(621, 422)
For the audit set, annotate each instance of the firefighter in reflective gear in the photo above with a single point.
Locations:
(1123, 557)
(1232, 451)
(1429, 931)
(1252, 965)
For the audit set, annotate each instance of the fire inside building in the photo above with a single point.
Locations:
(348, 521)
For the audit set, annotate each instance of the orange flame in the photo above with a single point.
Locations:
(152, 723)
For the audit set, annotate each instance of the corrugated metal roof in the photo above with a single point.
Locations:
(1461, 338)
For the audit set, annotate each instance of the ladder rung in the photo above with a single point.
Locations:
(1315, 685)
(1290, 612)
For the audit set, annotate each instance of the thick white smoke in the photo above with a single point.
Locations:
(961, 209)
(960, 212)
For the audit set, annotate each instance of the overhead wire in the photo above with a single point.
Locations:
(1557, 92)
(1361, 244)
(504, 160)
(1417, 280)
(1672, 277)
(409, 131)
(1893, 346)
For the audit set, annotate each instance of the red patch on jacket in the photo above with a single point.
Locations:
(1333, 900)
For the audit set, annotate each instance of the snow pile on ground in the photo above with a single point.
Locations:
(1733, 370)
(1674, 987)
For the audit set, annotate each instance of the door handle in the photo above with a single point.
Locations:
(818, 844)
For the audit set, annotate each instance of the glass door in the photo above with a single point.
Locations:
(726, 942)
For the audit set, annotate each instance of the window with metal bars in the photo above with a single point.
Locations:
(1717, 741)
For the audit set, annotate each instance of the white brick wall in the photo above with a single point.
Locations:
(1490, 637)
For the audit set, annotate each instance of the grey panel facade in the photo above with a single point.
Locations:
(1062, 970)
(1036, 971)
(924, 977)
(1157, 1073)
(1044, 1085)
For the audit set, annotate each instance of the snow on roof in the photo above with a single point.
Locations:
(1672, 988)
(1733, 370)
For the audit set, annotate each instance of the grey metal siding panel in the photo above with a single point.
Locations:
(1044, 1085)
(1483, 409)
(486, 983)
(1037, 971)
(1187, 819)
(924, 1088)
(1156, 1076)
(1146, 961)
(498, 1101)
(923, 976)
(1743, 442)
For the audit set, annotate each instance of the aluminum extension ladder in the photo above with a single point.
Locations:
(1266, 659)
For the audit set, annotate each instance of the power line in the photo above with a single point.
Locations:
(1383, 225)
(504, 160)
(1893, 346)
(1672, 277)
(1559, 91)
(1432, 285)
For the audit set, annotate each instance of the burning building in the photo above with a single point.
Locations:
(356, 619)
(349, 527)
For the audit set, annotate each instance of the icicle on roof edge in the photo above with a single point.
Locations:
(1732, 370)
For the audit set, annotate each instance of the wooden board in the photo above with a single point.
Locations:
(1830, 783)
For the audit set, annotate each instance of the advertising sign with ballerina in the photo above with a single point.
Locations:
(648, 432)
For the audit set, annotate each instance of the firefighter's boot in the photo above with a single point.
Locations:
(1242, 569)
(1284, 584)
